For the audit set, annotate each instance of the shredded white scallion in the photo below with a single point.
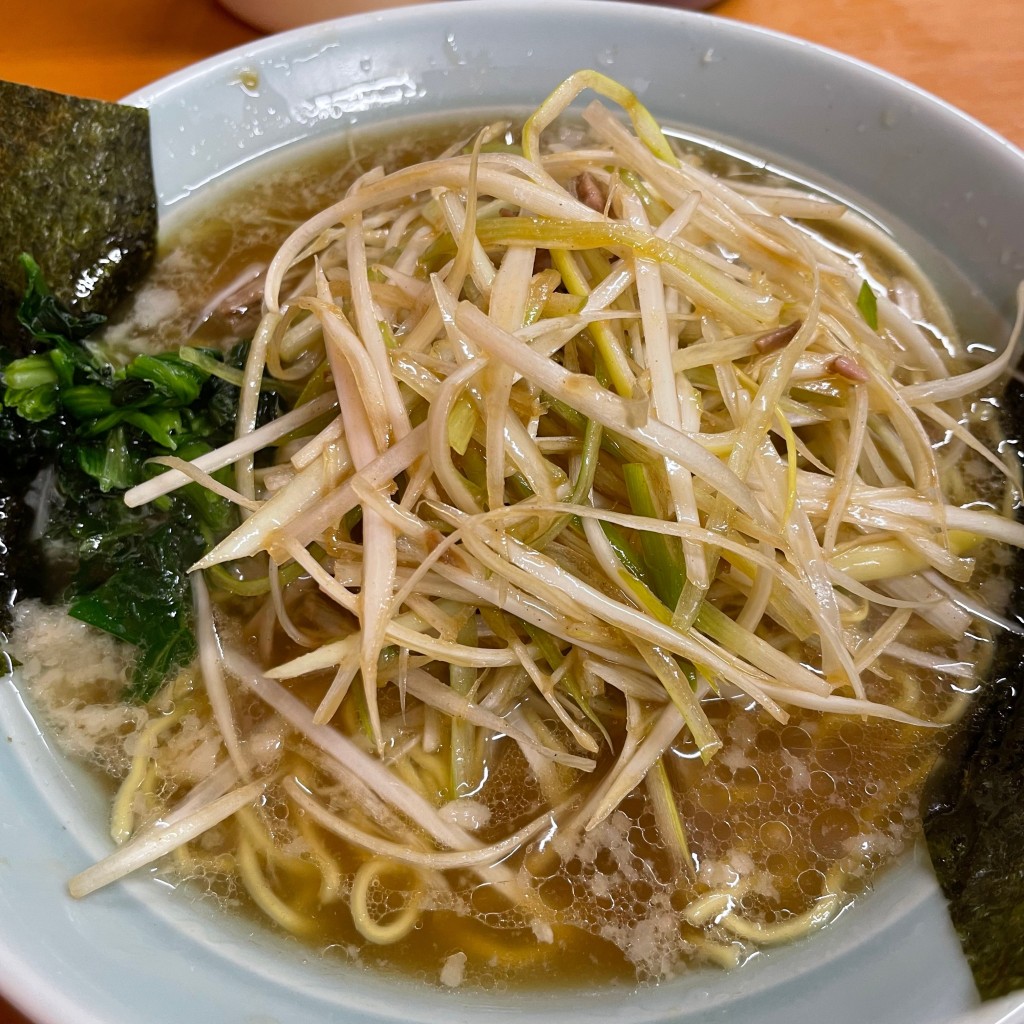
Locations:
(598, 466)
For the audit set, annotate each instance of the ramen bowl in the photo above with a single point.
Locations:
(954, 192)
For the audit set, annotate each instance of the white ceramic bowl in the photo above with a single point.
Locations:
(141, 952)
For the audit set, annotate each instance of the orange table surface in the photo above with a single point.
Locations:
(973, 57)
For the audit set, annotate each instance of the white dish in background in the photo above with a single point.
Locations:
(141, 952)
(276, 16)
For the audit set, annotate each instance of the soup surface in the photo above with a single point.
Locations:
(672, 770)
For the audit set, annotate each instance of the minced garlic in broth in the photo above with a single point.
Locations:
(781, 818)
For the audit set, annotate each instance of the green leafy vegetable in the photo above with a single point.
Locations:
(145, 601)
(44, 316)
(98, 424)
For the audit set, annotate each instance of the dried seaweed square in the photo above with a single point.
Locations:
(78, 195)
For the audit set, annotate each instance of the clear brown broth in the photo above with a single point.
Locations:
(781, 805)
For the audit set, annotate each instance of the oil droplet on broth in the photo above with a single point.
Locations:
(776, 835)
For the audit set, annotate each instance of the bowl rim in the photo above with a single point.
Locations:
(431, 10)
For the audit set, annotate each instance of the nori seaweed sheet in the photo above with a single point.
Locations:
(973, 805)
(77, 194)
